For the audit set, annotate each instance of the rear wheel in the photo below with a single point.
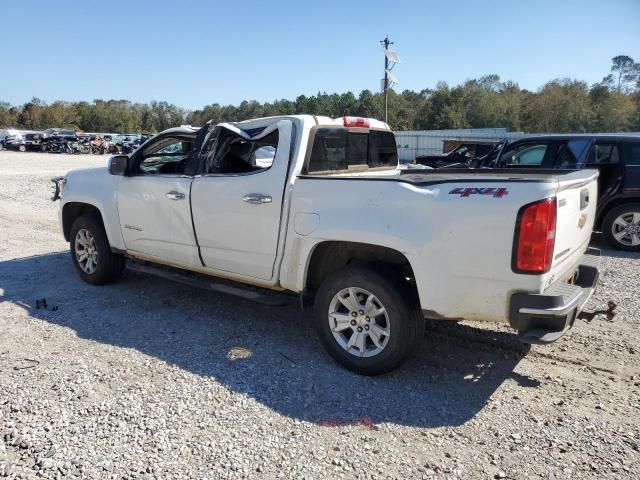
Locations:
(366, 322)
(621, 227)
(91, 252)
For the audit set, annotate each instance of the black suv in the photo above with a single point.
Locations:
(461, 154)
(616, 156)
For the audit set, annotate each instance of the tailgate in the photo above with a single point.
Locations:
(576, 201)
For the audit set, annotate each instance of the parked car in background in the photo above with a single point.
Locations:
(146, 136)
(463, 153)
(125, 143)
(23, 141)
(59, 132)
(108, 142)
(617, 157)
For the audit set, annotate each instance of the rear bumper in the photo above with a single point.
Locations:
(545, 317)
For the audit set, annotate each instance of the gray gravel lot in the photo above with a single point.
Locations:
(149, 379)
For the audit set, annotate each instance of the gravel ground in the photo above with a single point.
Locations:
(149, 379)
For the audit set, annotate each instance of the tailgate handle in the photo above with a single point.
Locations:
(584, 198)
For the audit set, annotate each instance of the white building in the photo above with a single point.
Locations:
(414, 143)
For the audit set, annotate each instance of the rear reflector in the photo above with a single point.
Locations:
(357, 122)
(536, 236)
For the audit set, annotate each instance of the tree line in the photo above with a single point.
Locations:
(561, 105)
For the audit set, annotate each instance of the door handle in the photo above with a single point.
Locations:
(257, 198)
(173, 195)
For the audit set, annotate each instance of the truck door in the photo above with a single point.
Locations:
(153, 202)
(237, 200)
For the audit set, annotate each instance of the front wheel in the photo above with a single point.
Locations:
(91, 252)
(22, 148)
(366, 322)
(621, 227)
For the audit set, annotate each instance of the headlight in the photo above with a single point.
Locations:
(58, 187)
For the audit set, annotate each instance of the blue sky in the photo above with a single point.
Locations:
(193, 53)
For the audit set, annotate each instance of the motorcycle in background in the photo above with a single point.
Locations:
(98, 146)
(58, 145)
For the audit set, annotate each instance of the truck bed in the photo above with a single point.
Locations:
(461, 223)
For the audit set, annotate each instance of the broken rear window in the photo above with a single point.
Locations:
(343, 149)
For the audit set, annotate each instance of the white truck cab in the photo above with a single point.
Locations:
(318, 207)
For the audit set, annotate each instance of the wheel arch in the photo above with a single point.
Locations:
(73, 210)
(614, 203)
(327, 257)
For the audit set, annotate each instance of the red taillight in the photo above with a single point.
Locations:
(357, 122)
(536, 234)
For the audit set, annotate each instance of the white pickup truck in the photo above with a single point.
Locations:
(319, 207)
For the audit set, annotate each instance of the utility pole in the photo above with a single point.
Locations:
(390, 60)
(386, 42)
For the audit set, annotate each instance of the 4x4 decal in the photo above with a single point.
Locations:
(498, 192)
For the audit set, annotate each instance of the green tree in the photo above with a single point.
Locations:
(562, 105)
(625, 74)
(612, 111)
(8, 115)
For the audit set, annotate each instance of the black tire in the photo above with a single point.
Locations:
(608, 226)
(22, 148)
(109, 265)
(406, 324)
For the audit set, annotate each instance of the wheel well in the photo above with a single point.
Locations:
(73, 210)
(329, 257)
(611, 205)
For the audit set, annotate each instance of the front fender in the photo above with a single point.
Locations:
(98, 189)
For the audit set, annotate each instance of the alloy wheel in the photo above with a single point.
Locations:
(359, 322)
(626, 229)
(86, 251)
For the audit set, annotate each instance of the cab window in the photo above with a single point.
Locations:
(337, 149)
(165, 157)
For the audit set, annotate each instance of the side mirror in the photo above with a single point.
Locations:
(118, 164)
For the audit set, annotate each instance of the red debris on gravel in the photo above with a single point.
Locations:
(364, 422)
